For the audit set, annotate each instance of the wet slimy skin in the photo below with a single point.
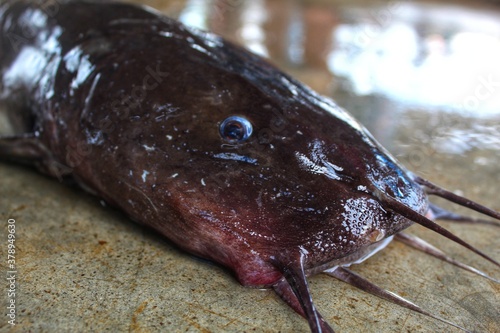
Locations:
(199, 139)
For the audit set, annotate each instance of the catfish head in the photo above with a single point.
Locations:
(239, 163)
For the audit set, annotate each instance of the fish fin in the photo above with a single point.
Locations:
(443, 214)
(420, 244)
(294, 290)
(28, 149)
(355, 280)
(285, 292)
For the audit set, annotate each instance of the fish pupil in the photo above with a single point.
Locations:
(236, 129)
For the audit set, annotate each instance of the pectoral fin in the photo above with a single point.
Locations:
(28, 149)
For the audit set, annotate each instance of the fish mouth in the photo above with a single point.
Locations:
(293, 287)
(353, 258)
(405, 211)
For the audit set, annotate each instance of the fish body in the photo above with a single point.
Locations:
(198, 139)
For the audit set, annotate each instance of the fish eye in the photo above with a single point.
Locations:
(236, 129)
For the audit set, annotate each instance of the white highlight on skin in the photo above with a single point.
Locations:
(95, 138)
(382, 245)
(360, 216)
(148, 148)
(235, 157)
(77, 62)
(317, 161)
(145, 175)
(33, 60)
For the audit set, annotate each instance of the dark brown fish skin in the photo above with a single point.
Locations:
(129, 103)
